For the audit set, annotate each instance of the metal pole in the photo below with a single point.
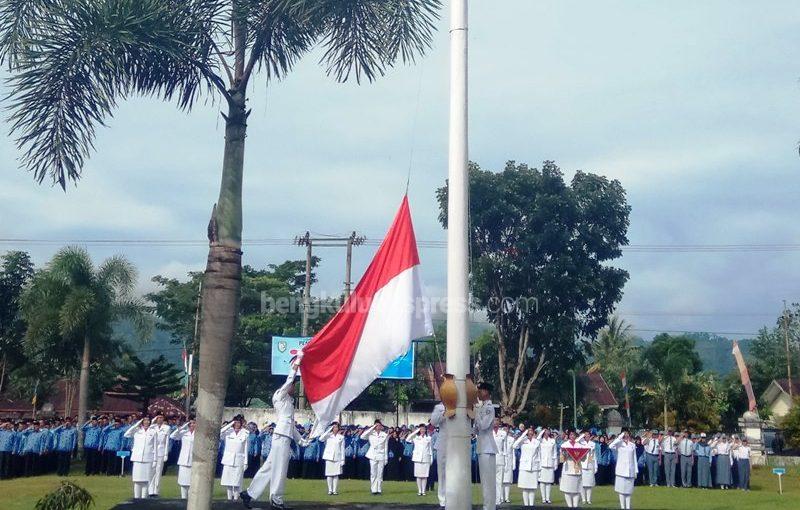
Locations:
(307, 290)
(574, 404)
(348, 263)
(458, 466)
(788, 351)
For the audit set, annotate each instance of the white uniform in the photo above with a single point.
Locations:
(333, 455)
(186, 437)
(422, 457)
(588, 471)
(571, 474)
(501, 440)
(626, 470)
(162, 451)
(273, 471)
(528, 478)
(548, 460)
(377, 454)
(487, 450)
(142, 457)
(438, 420)
(234, 459)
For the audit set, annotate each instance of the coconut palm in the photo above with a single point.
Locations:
(71, 306)
(71, 61)
(613, 351)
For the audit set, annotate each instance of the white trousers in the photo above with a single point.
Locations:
(376, 475)
(488, 467)
(155, 481)
(273, 471)
(441, 463)
(184, 491)
(499, 469)
(545, 489)
(625, 501)
(586, 495)
(139, 490)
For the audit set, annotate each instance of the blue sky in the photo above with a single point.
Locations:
(693, 106)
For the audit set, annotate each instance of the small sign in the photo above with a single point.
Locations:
(123, 454)
(779, 471)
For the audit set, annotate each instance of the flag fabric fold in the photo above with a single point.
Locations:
(745, 376)
(377, 324)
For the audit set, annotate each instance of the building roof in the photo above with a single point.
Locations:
(597, 391)
(778, 387)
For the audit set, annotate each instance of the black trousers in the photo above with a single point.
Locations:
(92, 461)
(33, 464)
(112, 463)
(5, 465)
(64, 460)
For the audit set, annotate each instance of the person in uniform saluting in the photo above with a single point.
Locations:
(528, 478)
(626, 469)
(422, 456)
(185, 435)
(142, 455)
(377, 454)
(333, 455)
(234, 456)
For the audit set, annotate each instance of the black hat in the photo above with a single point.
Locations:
(485, 386)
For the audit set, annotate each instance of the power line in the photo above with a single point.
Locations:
(440, 244)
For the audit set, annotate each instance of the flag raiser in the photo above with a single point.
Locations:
(373, 327)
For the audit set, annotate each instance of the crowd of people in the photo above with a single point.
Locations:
(533, 458)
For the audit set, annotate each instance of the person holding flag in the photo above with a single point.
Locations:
(572, 453)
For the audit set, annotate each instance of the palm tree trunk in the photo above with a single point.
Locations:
(83, 390)
(220, 306)
(665, 415)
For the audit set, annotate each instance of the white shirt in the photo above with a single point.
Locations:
(627, 466)
(334, 446)
(144, 442)
(439, 420)
(482, 427)
(547, 453)
(377, 444)
(501, 440)
(742, 452)
(162, 440)
(686, 447)
(668, 444)
(652, 446)
(422, 447)
(528, 452)
(589, 463)
(186, 437)
(284, 408)
(235, 452)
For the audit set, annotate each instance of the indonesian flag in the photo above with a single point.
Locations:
(375, 326)
(745, 376)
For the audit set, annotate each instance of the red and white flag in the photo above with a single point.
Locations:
(376, 325)
(745, 376)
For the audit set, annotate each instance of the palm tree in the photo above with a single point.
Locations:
(613, 349)
(71, 306)
(72, 60)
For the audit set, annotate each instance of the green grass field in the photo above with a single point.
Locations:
(22, 494)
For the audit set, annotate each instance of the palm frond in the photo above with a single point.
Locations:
(137, 312)
(409, 27)
(73, 265)
(77, 310)
(90, 54)
(119, 274)
(21, 23)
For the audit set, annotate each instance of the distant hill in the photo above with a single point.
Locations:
(714, 351)
(158, 344)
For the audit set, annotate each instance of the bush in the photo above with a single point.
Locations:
(791, 425)
(68, 496)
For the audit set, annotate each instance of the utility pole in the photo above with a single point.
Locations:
(459, 486)
(788, 350)
(322, 242)
(561, 408)
(574, 404)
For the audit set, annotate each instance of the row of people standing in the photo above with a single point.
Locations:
(36, 447)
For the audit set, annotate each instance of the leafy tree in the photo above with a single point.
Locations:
(790, 424)
(613, 352)
(72, 60)
(540, 251)
(672, 359)
(16, 270)
(767, 356)
(145, 381)
(70, 307)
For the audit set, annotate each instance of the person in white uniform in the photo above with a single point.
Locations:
(501, 439)
(421, 456)
(588, 468)
(377, 454)
(162, 431)
(439, 420)
(571, 472)
(234, 456)
(185, 435)
(510, 464)
(333, 455)
(142, 455)
(486, 446)
(626, 469)
(273, 471)
(548, 461)
(528, 477)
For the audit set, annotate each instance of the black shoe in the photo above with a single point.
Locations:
(246, 499)
(278, 506)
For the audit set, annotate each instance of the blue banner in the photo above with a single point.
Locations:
(284, 348)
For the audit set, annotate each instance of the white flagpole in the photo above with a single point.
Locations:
(458, 466)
